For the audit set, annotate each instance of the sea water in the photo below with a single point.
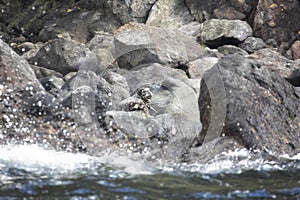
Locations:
(33, 172)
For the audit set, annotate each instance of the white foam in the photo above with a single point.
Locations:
(38, 160)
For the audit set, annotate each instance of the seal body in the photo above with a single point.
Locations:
(140, 100)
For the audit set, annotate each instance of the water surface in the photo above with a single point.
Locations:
(31, 172)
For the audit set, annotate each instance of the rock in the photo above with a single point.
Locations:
(42, 21)
(191, 29)
(42, 72)
(43, 104)
(296, 50)
(103, 46)
(65, 56)
(69, 76)
(164, 137)
(106, 96)
(198, 67)
(227, 11)
(262, 109)
(15, 72)
(51, 82)
(138, 44)
(136, 11)
(204, 10)
(278, 20)
(217, 32)
(169, 13)
(252, 44)
(151, 75)
(230, 49)
(278, 64)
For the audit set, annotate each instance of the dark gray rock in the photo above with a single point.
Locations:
(262, 109)
(277, 20)
(230, 49)
(42, 72)
(164, 137)
(218, 32)
(15, 72)
(103, 46)
(275, 62)
(43, 20)
(204, 10)
(51, 82)
(64, 56)
(198, 67)
(252, 44)
(151, 75)
(138, 44)
(169, 13)
(136, 11)
(43, 104)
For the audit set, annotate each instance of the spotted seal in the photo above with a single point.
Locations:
(140, 100)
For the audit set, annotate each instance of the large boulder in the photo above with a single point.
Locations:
(277, 20)
(261, 108)
(218, 32)
(15, 72)
(138, 44)
(169, 13)
(65, 55)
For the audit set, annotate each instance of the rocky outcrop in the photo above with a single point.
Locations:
(96, 86)
(261, 107)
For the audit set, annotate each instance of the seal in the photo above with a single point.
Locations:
(140, 100)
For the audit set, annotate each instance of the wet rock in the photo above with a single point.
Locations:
(43, 104)
(261, 107)
(205, 10)
(138, 44)
(278, 20)
(296, 50)
(65, 56)
(275, 62)
(218, 32)
(15, 71)
(230, 49)
(164, 136)
(252, 44)
(169, 13)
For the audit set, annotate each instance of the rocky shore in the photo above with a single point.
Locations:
(179, 80)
